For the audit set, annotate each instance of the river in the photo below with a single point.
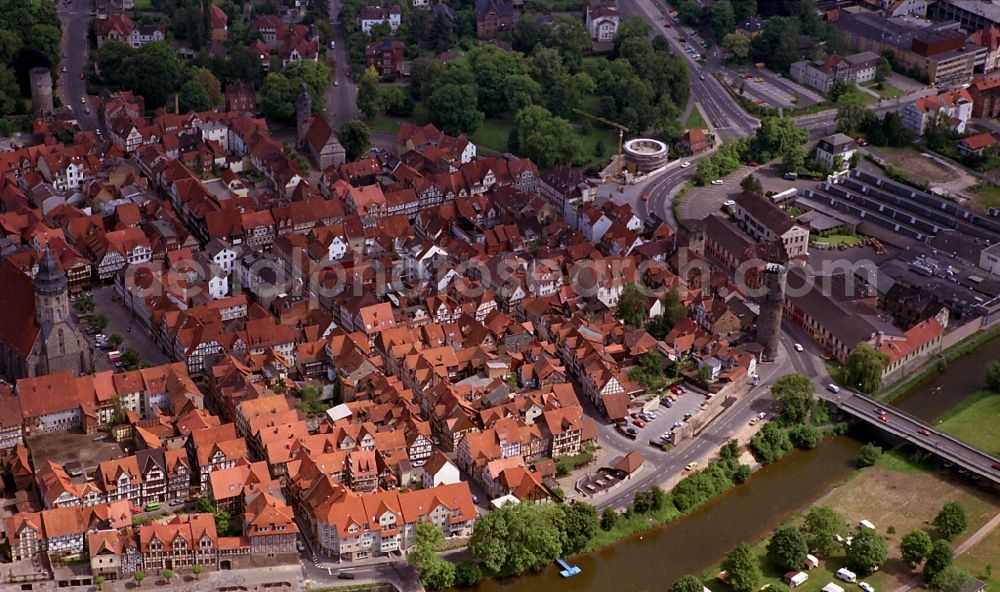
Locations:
(651, 561)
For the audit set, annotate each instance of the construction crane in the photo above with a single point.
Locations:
(621, 136)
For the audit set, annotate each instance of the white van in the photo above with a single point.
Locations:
(847, 575)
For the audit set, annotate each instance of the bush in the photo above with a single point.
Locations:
(868, 455)
(993, 376)
(951, 520)
(805, 436)
(468, 573)
(770, 444)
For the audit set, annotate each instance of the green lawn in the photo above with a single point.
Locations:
(974, 420)
(695, 121)
(384, 125)
(493, 134)
(143, 5)
(983, 560)
(987, 196)
(850, 240)
(888, 91)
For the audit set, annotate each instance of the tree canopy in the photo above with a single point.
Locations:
(938, 559)
(354, 137)
(867, 552)
(822, 525)
(742, 569)
(686, 584)
(453, 109)
(951, 520)
(545, 139)
(787, 548)
(863, 368)
(868, 455)
(795, 393)
(517, 538)
(915, 546)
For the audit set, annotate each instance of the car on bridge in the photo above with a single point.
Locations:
(833, 388)
(924, 432)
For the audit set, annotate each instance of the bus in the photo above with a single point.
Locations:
(152, 506)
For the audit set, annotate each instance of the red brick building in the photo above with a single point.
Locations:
(385, 56)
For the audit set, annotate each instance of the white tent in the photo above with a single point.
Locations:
(831, 587)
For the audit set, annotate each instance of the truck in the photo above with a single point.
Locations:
(114, 356)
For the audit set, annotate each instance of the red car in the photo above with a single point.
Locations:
(748, 75)
(667, 25)
(645, 197)
(638, 423)
(884, 418)
(752, 163)
(83, 76)
(760, 101)
(924, 432)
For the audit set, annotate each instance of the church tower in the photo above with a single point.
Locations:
(303, 111)
(63, 346)
(51, 293)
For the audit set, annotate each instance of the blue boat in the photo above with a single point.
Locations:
(567, 570)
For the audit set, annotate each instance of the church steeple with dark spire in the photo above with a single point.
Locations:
(51, 297)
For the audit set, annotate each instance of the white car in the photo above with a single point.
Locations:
(717, 182)
(685, 164)
(333, 45)
(833, 388)
(866, 587)
(798, 347)
(728, 203)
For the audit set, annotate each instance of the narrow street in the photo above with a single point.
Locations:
(342, 94)
(71, 87)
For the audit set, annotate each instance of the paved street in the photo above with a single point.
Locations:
(120, 322)
(71, 87)
(342, 94)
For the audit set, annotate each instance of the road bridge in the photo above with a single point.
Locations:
(917, 432)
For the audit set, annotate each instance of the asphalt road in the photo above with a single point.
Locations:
(724, 112)
(701, 448)
(342, 94)
(75, 17)
(918, 433)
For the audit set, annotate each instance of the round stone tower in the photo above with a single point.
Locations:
(771, 308)
(41, 90)
(303, 111)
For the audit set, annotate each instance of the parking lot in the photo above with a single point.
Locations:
(666, 418)
(701, 202)
(767, 88)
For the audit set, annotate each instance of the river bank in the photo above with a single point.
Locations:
(693, 542)
(898, 495)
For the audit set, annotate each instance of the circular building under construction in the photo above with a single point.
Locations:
(645, 154)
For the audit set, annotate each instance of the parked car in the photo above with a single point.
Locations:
(866, 587)
(717, 182)
(631, 432)
(638, 423)
(345, 576)
(728, 203)
(847, 575)
(176, 502)
(685, 164)
(645, 197)
(754, 421)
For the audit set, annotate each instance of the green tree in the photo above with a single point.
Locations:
(770, 444)
(310, 403)
(821, 526)
(752, 183)
(168, 574)
(99, 582)
(867, 552)
(863, 369)
(516, 538)
(369, 95)
(442, 36)
(686, 584)
(952, 579)
(742, 569)
(938, 559)
(152, 71)
(993, 376)
(882, 70)
(84, 304)
(277, 98)
(787, 548)
(650, 500)
(115, 340)
(492, 68)
(10, 99)
(915, 546)
(315, 74)
(717, 19)
(396, 102)
(609, 517)
(139, 576)
(194, 97)
(632, 306)
(850, 111)
(795, 393)
(196, 570)
(435, 572)
(736, 45)
(453, 109)
(951, 520)
(520, 91)
(579, 524)
(805, 436)
(354, 137)
(468, 573)
(99, 322)
(673, 311)
(868, 455)
(211, 84)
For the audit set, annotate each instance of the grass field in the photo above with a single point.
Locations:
(897, 495)
(987, 196)
(974, 420)
(695, 120)
(919, 169)
(143, 4)
(888, 91)
(984, 557)
(381, 124)
(838, 239)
